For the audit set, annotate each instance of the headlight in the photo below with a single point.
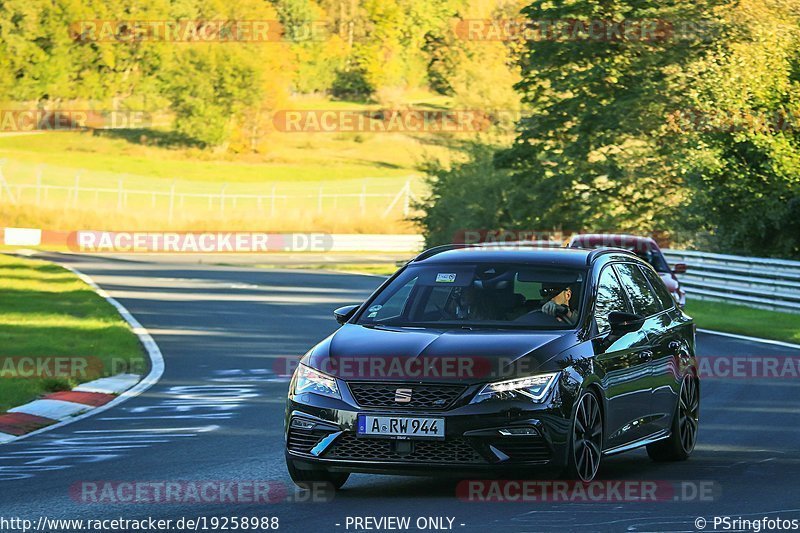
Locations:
(307, 379)
(533, 388)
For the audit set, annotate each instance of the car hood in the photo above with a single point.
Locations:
(356, 352)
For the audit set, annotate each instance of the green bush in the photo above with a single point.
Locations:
(351, 85)
(471, 195)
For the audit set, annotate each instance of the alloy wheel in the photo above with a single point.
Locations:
(689, 413)
(587, 437)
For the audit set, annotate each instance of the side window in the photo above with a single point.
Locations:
(639, 292)
(662, 293)
(394, 304)
(529, 289)
(609, 298)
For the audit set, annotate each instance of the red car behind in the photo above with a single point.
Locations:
(644, 247)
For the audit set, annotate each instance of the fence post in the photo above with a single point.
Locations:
(393, 203)
(39, 185)
(407, 199)
(4, 185)
(222, 199)
(119, 194)
(171, 201)
(363, 199)
(77, 189)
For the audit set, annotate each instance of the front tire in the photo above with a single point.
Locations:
(586, 440)
(316, 478)
(685, 424)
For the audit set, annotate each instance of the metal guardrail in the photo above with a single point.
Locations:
(752, 281)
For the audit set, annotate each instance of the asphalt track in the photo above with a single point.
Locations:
(217, 414)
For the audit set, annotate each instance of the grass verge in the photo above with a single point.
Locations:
(48, 315)
(743, 320)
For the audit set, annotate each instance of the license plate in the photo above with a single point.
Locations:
(400, 427)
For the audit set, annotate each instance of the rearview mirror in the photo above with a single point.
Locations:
(343, 314)
(622, 323)
(679, 268)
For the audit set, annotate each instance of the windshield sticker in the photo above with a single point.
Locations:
(375, 308)
(445, 278)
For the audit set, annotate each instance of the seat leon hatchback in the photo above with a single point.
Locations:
(476, 360)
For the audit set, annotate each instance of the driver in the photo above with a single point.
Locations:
(558, 302)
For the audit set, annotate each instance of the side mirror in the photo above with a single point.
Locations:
(622, 323)
(343, 314)
(679, 268)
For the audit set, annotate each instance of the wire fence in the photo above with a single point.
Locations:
(270, 199)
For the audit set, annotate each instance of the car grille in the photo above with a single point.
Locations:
(520, 449)
(423, 396)
(303, 440)
(457, 451)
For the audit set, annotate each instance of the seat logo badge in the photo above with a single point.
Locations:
(402, 395)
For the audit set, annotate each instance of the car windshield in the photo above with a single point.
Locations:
(479, 295)
(655, 258)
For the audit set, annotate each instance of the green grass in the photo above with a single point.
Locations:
(46, 311)
(292, 157)
(745, 320)
(297, 168)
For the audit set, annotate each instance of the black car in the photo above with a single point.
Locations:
(477, 360)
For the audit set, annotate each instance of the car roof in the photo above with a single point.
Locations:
(566, 257)
(611, 239)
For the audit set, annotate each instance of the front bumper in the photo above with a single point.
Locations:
(473, 440)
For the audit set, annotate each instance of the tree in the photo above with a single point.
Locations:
(597, 79)
(470, 195)
(740, 143)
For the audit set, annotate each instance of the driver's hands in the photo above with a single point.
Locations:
(553, 309)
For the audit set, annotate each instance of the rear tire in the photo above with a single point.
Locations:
(586, 439)
(316, 478)
(685, 424)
